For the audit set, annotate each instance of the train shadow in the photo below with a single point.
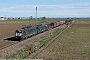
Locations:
(11, 39)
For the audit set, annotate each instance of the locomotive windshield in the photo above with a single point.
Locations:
(18, 31)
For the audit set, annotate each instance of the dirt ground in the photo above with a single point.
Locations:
(81, 25)
(84, 19)
(8, 29)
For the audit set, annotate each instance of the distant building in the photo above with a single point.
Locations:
(3, 18)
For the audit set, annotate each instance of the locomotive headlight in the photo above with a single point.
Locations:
(16, 34)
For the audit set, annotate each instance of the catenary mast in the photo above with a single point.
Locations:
(36, 15)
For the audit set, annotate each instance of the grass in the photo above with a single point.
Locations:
(39, 20)
(74, 42)
(81, 22)
(7, 37)
(20, 54)
(48, 38)
(23, 52)
(17, 21)
(1, 38)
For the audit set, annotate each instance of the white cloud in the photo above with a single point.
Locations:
(50, 10)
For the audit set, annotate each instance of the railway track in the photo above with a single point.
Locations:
(5, 44)
(9, 47)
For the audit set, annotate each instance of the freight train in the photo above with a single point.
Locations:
(31, 31)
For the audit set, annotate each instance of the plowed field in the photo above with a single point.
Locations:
(8, 29)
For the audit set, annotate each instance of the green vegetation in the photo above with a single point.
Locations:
(7, 37)
(82, 22)
(75, 41)
(39, 20)
(48, 38)
(17, 21)
(23, 53)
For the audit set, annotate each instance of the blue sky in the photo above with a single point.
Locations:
(48, 8)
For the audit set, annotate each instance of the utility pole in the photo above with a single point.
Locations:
(36, 15)
(29, 20)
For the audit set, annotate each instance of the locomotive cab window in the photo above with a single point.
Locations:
(19, 31)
